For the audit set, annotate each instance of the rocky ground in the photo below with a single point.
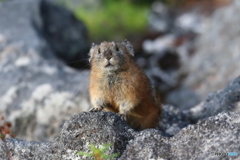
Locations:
(43, 98)
(204, 140)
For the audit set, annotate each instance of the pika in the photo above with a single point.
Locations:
(117, 84)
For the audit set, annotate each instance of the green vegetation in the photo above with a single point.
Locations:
(99, 153)
(114, 19)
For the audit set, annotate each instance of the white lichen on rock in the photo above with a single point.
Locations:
(7, 99)
(71, 155)
(22, 61)
(42, 92)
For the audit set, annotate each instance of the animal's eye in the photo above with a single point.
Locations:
(99, 51)
(117, 49)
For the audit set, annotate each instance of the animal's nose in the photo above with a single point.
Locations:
(108, 55)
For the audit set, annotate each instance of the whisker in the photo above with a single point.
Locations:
(84, 67)
(69, 83)
(80, 60)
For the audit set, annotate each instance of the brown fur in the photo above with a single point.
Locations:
(122, 87)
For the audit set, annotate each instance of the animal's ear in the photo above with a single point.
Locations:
(129, 47)
(90, 54)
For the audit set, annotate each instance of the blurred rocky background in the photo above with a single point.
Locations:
(189, 49)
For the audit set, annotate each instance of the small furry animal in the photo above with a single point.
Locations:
(117, 84)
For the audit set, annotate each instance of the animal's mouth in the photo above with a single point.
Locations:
(109, 65)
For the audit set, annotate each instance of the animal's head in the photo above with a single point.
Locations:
(111, 56)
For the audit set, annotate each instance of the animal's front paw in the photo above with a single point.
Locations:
(122, 116)
(96, 109)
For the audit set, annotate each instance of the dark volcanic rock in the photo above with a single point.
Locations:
(66, 35)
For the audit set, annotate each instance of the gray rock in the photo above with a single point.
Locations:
(218, 134)
(147, 144)
(27, 150)
(205, 140)
(95, 128)
(37, 92)
(183, 98)
(227, 99)
(217, 56)
(173, 120)
(76, 135)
